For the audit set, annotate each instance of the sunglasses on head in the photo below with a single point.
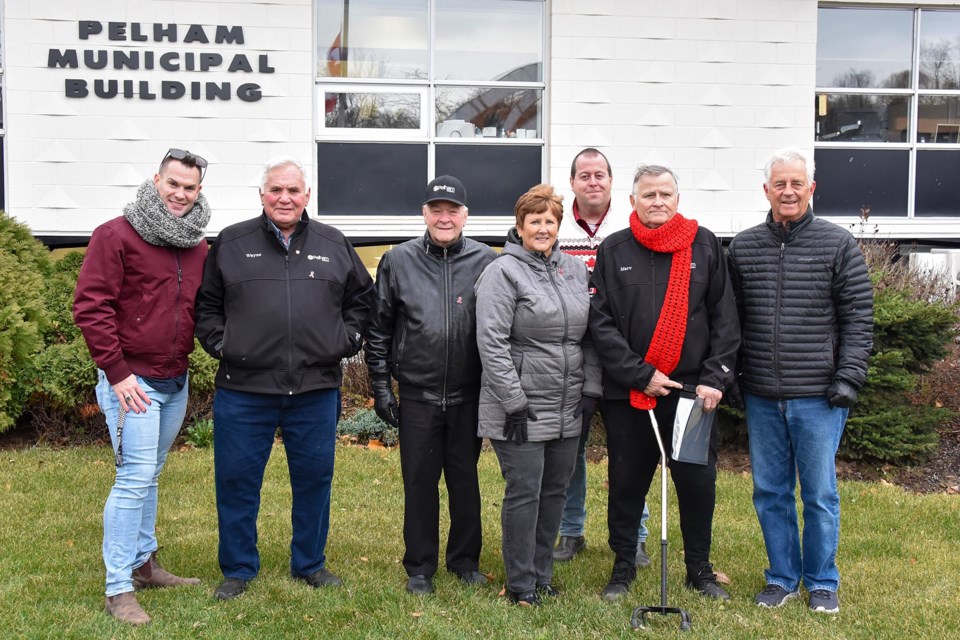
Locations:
(190, 158)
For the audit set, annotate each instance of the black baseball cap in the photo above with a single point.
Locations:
(446, 188)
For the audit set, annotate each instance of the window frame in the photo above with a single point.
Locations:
(428, 89)
(913, 92)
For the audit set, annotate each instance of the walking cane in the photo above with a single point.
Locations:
(639, 617)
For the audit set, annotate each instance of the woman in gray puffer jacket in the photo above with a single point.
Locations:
(539, 375)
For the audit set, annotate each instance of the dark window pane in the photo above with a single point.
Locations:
(372, 39)
(494, 175)
(939, 49)
(372, 110)
(939, 119)
(937, 193)
(370, 179)
(864, 47)
(853, 181)
(488, 40)
(861, 118)
(488, 112)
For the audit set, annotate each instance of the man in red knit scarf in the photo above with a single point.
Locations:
(663, 316)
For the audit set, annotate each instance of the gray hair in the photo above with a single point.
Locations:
(652, 170)
(276, 163)
(788, 155)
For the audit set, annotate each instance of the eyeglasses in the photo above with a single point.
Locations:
(190, 158)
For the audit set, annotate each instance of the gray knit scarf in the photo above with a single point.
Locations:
(156, 225)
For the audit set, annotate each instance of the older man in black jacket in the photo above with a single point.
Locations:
(806, 308)
(284, 298)
(663, 316)
(423, 332)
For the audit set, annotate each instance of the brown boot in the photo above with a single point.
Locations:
(151, 574)
(125, 608)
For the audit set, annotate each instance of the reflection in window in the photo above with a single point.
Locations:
(861, 182)
(864, 47)
(862, 118)
(488, 112)
(372, 110)
(487, 40)
(940, 50)
(938, 119)
(372, 39)
(936, 190)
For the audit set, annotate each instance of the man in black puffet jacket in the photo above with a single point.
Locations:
(423, 333)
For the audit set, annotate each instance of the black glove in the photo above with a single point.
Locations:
(385, 403)
(588, 404)
(734, 398)
(515, 426)
(841, 394)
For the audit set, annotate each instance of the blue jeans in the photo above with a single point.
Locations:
(790, 438)
(575, 506)
(244, 426)
(130, 515)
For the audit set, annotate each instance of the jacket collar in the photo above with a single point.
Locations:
(792, 229)
(268, 226)
(434, 249)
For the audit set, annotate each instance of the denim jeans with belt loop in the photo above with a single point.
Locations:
(244, 428)
(795, 438)
(130, 515)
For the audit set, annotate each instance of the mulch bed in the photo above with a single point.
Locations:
(938, 474)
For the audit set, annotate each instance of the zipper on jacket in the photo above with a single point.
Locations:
(286, 277)
(176, 306)
(446, 328)
(776, 320)
(563, 346)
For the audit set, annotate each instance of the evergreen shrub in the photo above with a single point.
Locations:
(364, 425)
(24, 271)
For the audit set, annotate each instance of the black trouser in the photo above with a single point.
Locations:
(633, 453)
(434, 441)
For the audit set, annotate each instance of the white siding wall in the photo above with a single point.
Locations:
(708, 88)
(73, 163)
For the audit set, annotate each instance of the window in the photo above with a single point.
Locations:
(419, 88)
(887, 111)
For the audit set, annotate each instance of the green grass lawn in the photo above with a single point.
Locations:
(899, 558)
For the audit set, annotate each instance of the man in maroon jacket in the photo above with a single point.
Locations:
(134, 305)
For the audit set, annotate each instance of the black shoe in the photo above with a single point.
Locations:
(705, 582)
(320, 578)
(643, 560)
(230, 588)
(823, 601)
(473, 578)
(773, 596)
(547, 591)
(420, 585)
(529, 599)
(568, 547)
(621, 578)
